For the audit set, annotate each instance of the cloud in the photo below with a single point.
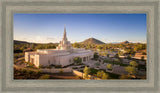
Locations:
(39, 39)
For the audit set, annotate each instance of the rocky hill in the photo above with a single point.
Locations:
(18, 42)
(92, 41)
(125, 42)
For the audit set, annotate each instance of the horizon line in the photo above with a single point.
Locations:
(82, 41)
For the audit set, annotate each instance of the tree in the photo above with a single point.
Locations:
(39, 72)
(129, 57)
(116, 56)
(105, 76)
(131, 70)
(107, 55)
(99, 47)
(29, 73)
(96, 56)
(133, 63)
(86, 72)
(102, 74)
(124, 77)
(109, 66)
(99, 74)
(76, 45)
(135, 49)
(77, 60)
(32, 46)
(142, 58)
(120, 53)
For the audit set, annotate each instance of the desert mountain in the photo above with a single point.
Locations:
(18, 42)
(125, 42)
(92, 41)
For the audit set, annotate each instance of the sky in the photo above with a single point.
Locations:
(47, 28)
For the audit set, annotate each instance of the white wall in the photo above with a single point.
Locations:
(57, 57)
(57, 70)
(26, 56)
(43, 60)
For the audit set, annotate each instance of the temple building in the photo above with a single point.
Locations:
(63, 54)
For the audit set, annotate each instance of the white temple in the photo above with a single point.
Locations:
(63, 55)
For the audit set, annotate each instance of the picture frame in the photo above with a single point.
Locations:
(9, 7)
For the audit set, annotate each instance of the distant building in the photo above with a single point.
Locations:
(63, 55)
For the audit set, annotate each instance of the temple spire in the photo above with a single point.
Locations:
(64, 35)
(64, 44)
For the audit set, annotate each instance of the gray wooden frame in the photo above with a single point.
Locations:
(9, 7)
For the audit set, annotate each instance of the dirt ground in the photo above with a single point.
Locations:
(63, 76)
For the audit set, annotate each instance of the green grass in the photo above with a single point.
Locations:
(112, 75)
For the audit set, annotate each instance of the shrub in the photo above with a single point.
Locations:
(44, 77)
(124, 77)
(52, 65)
(96, 56)
(61, 71)
(102, 74)
(105, 76)
(24, 71)
(109, 66)
(58, 66)
(116, 56)
(41, 66)
(49, 66)
(93, 71)
(143, 53)
(86, 72)
(38, 72)
(31, 65)
(99, 74)
(131, 70)
(77, 60)
(128, 57)
(133, 63)
(142, 58)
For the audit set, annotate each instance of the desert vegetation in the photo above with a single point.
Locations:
(114, 53)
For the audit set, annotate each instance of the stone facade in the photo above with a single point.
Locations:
(63, 55)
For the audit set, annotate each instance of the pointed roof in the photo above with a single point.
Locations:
(64, 34)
